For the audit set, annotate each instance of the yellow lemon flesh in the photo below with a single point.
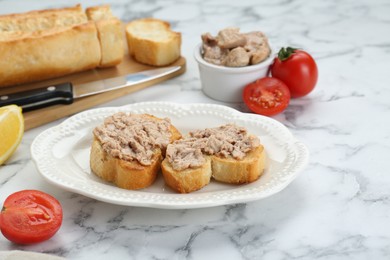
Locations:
(11, 130)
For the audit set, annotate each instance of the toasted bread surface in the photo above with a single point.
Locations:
(151, 41)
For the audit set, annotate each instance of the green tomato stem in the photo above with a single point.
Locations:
(285, 53)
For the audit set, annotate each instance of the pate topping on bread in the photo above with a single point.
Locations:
(225, 141)
(186, 153)
(131, 137)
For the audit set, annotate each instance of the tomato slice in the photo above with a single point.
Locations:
(30, 216)
(266, 96)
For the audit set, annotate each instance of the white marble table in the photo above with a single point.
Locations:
(339, 206)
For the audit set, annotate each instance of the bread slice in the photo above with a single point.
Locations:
(230, 170)
(188, 180)
(151, 41)
(110, 34)
(128, 174)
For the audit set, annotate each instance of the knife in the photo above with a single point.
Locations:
(65, 93)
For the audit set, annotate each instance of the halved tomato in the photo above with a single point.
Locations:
(30, 216)
(266, 96)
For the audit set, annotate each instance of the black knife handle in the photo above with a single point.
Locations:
(42, 97)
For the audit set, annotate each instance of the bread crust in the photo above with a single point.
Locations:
(151, 41)
(110, 33)
(230, 170)
(112, 42)
(187, 180)
(39, 19)
(44, 55)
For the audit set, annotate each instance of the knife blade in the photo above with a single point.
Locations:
(66, 93)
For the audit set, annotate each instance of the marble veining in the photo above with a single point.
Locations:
(338, 208)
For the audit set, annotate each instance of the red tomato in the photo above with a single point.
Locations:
(266, 96)
(297, 69)
(30, 216)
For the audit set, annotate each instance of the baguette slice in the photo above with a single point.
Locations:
(230, 170)
(151, 41)
(127, 174)
(187, 180)
(110, 35)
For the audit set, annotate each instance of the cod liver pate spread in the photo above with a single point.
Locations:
(133, 136)
(224, 141)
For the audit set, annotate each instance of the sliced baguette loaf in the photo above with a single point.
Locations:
(127, 149)
(28, 57)
(45, 44)
(151, 41)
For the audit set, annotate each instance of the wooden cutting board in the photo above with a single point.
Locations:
(45, 115)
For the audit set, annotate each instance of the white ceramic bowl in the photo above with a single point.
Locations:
(226, 83)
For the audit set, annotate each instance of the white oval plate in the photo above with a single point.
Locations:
(61, 155)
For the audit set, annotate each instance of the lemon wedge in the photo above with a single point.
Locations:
(11, 130)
